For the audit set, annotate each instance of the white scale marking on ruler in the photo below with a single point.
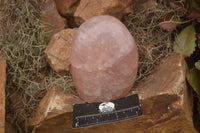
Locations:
(92, 115)
(92, 123)
(108, 113)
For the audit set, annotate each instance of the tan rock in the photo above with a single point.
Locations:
(58, 50)
(55, 102)
(9, 128)
(144, 4)
(166, 104)
(90, 8)
(67, 7)
(2, 93)
(52, 21)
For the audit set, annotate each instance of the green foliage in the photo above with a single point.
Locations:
(191, 4)
(186, 44)
(193, 77)
(185, 41)
(197, 65)
(188, 38)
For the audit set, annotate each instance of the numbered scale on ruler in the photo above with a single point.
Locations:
(98, 113)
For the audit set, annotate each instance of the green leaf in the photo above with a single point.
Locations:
(191, 4)
(185, 41)
(197, 65)
(193, 77)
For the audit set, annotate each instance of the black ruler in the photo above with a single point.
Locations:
(98, 113)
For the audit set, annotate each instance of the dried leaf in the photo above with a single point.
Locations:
(194, 13)
(185, 41)
(169, 22)
(193, 77)
(197, 65)
(197, 2)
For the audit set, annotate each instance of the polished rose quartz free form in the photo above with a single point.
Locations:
(104, 59)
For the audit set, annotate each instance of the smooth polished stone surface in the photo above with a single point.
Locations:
(104, 59)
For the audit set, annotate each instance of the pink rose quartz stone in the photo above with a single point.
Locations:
(104, 59)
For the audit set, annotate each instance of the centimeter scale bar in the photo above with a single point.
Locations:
(99, 113)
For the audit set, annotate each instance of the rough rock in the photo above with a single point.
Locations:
(90, 8)
(58, 50)
(2, 93)
(55, 102)
(140, 5)
(67, 7)
(166, 104)
(9, 128)
(51, 19)
(104, 59)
